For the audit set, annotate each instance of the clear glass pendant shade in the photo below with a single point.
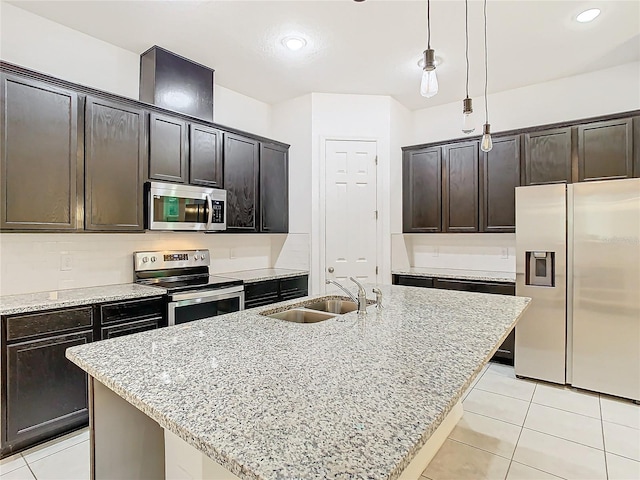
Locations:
(429, 84)
(468, 120)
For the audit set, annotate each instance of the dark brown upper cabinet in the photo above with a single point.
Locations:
(460, 187)
(547, 156)
(605, 150)
(41, 161)
(115, 155)
(500, 176)
(167, 148)
(241, 177)
(274, 188)
(205, 156)
(422, 190)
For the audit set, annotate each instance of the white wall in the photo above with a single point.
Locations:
(597, 93)
(49, 47)
(361, 117)
(571, 98)
(33, 262)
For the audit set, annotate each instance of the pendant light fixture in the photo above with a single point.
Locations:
(429, 83)
(486, 144)
(467, 106)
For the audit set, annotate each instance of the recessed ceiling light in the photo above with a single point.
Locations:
(588, 15)
(437, 63)
(294, 43)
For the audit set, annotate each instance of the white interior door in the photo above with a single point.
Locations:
(350, 210)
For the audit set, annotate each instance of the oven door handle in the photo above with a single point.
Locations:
(210, 295)
(210, 216)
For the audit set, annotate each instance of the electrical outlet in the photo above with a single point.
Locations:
(505, 253)
(66, 262)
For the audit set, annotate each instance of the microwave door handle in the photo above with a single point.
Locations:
(210, 207)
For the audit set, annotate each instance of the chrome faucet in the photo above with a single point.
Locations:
(361, 300)
(362, 296)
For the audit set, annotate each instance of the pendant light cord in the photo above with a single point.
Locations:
(428, 26)
(466, 40)
(486, 67)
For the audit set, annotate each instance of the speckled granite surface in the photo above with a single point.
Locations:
(487, 276)
(351, 397)
(32, 302)
(261, 274)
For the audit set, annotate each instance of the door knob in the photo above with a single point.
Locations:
(330, 269)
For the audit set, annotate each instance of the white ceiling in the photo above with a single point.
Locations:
(368, 48)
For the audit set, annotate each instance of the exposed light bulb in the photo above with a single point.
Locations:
(429, 83)
(468, 122)
(486, 144)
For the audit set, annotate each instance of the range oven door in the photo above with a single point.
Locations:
(190, 306)
(185, 207)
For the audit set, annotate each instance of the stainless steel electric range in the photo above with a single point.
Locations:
(192, 292)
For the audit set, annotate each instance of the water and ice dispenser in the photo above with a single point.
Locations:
(540, 269)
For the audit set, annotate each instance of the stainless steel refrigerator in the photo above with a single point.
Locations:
(578, 258)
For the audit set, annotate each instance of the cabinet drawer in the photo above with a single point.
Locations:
(481, 287)
(130, 310)
(130, 328)
(410, 281)
(255, 291)
(294, 284)
(24, 326)
(261, 302)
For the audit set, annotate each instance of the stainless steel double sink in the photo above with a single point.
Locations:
(314, 311)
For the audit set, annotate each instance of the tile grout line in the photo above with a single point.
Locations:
(522, 428)
(504, 394)
(29, 466)
(604, 445)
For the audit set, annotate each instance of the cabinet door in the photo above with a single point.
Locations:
(412, 281)
(46, 394)
(547, 156)
(422, 190)
(274, 188)
(40, 175)
(500, 177)
(114, 162)
(167, 148)
(605, 150)
(130, 328)
(241, 182)
(294, 287)
(460, 187)
(205, 156)
(636, 147)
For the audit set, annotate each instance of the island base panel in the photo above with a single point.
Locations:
(126, 444)
(429, 449)
(184, 462)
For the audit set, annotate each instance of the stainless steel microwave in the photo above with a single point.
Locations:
(176, 207)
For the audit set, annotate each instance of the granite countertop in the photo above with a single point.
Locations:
(487, 276)
(350, 397)
(262, 274)
(32, 302)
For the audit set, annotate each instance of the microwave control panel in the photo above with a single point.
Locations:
(217, 214)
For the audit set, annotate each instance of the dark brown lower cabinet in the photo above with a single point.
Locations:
(43, 393)
(506, 352)
(130, 316)
(258, 294)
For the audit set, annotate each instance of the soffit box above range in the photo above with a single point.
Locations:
(176, 83)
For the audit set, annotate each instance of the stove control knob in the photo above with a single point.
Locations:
(201, 257)
(145, 259)
(153, 259)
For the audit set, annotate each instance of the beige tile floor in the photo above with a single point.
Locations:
(511, 430)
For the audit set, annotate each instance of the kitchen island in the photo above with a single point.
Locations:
(349, 397)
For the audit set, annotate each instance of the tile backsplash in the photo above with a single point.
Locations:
(484, 251)
(41, 262)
